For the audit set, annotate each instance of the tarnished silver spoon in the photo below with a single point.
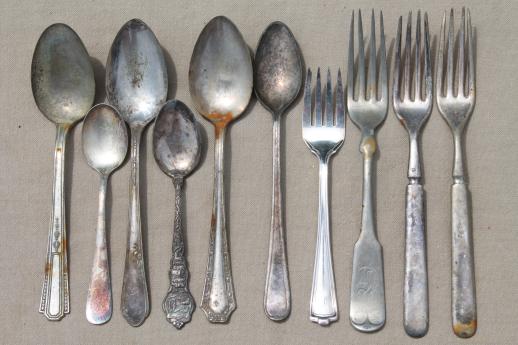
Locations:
(136, 85)
(277, 82)
(220, 82)
(63, 86)
(105, 144)
(177, 147)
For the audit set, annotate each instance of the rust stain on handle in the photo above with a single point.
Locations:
(465, 330)
(220, 121)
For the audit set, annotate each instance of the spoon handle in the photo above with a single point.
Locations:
(134, 299)
(99, 299)
(218, 300)
(277, 291)
(178, 304)
(55, 300)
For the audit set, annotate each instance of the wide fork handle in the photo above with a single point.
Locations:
(218, 300)
(464, 311)
(323, 307)
(416, 278)
(134, 298)
(367, 310)
(54, 303)
(277, 304)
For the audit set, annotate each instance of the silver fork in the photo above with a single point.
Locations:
(323, 135)
(413, 112)
(367, 309)
(456, 105)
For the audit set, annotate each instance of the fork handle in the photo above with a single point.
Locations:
(323, 307)
(416, 277)
(464, 312)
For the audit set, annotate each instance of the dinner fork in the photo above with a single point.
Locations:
(323, 135)
(413, 112)
(367, 306)
(456, 106)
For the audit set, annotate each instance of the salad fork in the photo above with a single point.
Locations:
(367, 111)
(456, 107)
(323, 135)
(413, 112)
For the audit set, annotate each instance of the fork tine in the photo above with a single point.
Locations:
(350, 67)
(440, 59)
(449, 66)
(408, 48)
(383, 63)
(339, 105)
(329, 120)
(306, 115)
(471, 58)
(361, 57)
(427, 60)
(417, 66)
(318, 101)
(397, 61)
(371, 83)
(460, 60)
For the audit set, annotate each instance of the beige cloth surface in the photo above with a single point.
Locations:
(321, 28)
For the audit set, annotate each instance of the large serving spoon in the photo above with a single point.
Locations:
(105, 144)
(177, 147)
(220, 82)
(136, 85)
(63, 86)
(277, 82)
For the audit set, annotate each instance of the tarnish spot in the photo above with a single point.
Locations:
(368, 146)
(220, 121)
(465, 330)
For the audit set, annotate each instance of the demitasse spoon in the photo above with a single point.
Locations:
(105, 144)
(177, 146)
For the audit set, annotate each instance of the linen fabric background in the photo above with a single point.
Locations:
(322, 29)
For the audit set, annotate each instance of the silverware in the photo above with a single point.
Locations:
(413, 112)
(367, 310)
(136, 85)
(456, 105)
(324, 135)
(105, 145)
(220, 82)
(277, 82)
(63, 86)
(177, 147)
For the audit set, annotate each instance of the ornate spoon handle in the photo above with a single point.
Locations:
(218, 300)
(55, 301)
(277, 304)
(134, 299)
(178, 304)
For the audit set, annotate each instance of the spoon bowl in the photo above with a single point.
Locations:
(278, 68)
(220, 72)
(176, 140)
(136, 74)
(62, 76)
(105, 139)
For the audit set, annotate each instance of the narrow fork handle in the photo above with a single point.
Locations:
(277, 304)
(367, 310)
(416, 278)
(218, 300)
(134, 299)
(464, 311)
(55, 301)
(323, 308)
